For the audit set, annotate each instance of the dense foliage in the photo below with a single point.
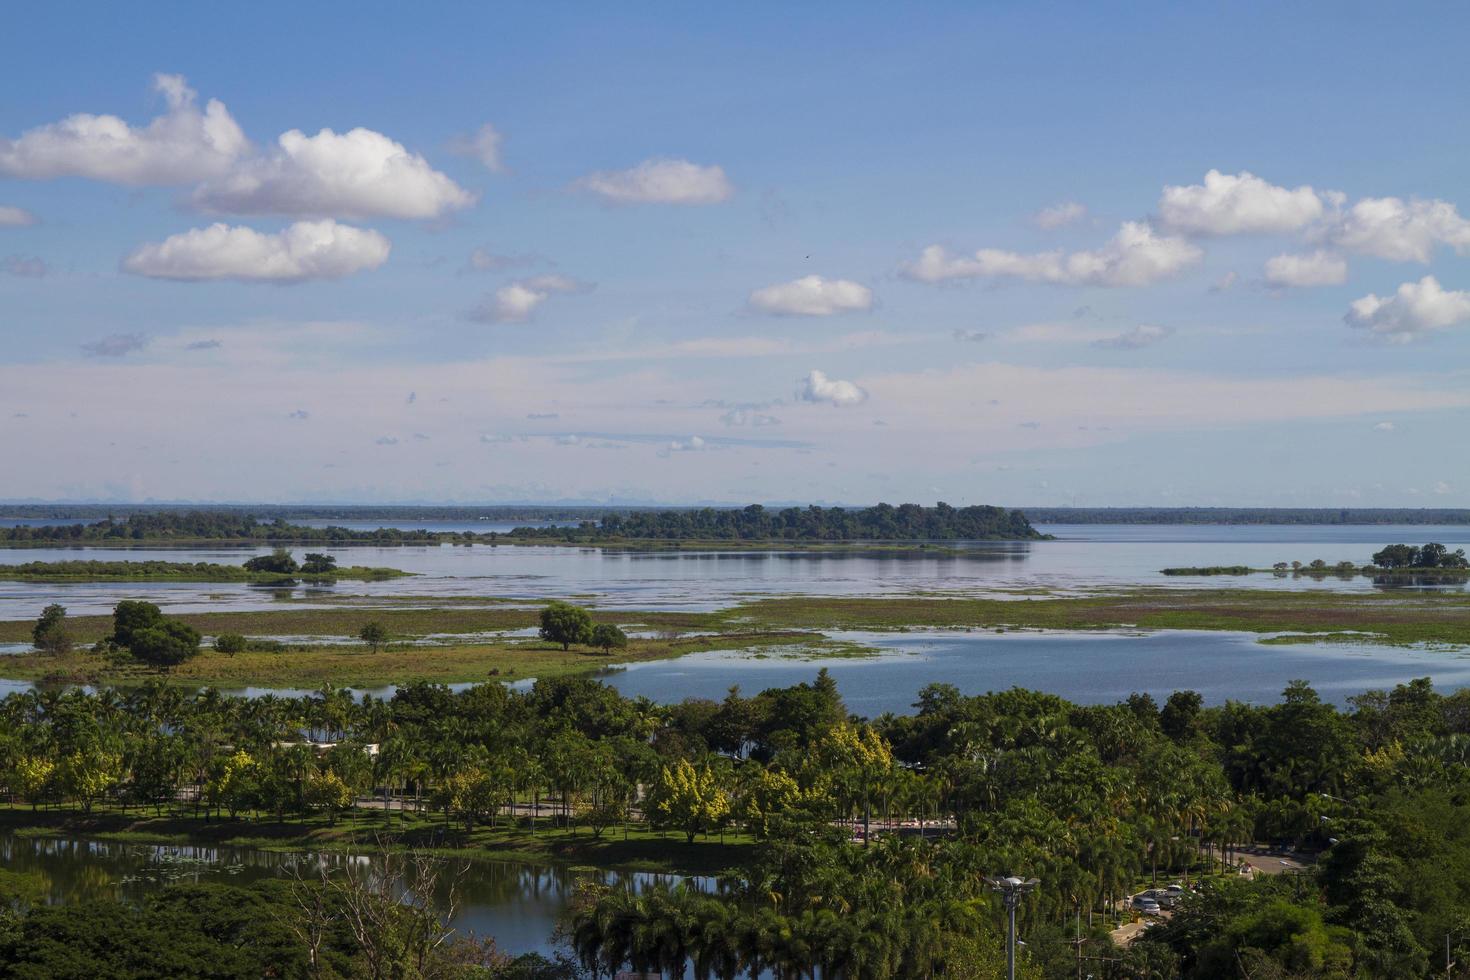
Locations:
(1431, 556)
(884, 522)
(1096, 801)
(1249, 515)
(208, 525)
(280, 567)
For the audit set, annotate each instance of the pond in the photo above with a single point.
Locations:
(516, 903)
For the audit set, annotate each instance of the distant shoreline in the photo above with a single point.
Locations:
(544, 513)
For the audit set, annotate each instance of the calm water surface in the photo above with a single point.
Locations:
(1084, 556)
(516, 903)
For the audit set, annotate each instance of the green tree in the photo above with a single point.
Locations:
(131, 616)
(607, 638)
(374, 634)
(566, 624)
(230, 643)
(318, 564)
(50, 634)
(278, 562)
(167, 644)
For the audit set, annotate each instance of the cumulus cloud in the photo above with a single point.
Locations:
(181, 146)
(817, 387)
(1236, 204)
(1143, 335)
(1441, 487)
(116, 345)
(14, 217)
(1059, 215)
(1384, 427)
(24, 266)
(1319, 268)
(748, 416)
(694, 444)
(1135, 256)
(1415, 309)
(357, 174)
(812, 296)
(1403, 231)
(516, 302)
(305, 250)
(660, 181)
(483, 145)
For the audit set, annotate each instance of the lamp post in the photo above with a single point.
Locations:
(1011, 890)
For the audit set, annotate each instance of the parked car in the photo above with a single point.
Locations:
(1145, 905)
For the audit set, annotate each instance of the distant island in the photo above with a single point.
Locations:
(882, 523)
(753, 525)
(170, 571)
(1396, 560)
(1248, 515)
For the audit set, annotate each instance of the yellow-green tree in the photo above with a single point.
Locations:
(88, 775)
(234, 783)
(689, 798)
(766, 793)
(30, 777)
(325, 790)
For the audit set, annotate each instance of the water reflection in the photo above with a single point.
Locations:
(516, 903)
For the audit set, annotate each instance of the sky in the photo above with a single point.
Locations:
(1145, 254)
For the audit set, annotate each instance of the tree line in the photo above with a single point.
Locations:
(875, 833)
(884, 522)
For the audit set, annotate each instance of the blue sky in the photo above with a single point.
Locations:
(1016, 253)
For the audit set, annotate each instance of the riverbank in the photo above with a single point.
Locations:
(634, 849)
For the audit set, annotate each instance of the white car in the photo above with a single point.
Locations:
(1145, 905)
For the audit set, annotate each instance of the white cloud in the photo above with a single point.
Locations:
(1135, 256)
(357, 174)
(1415, 309)
(1143, 335)
(1059, 215)
(1441, 487)
(748, 416)
(817, 387)
(515, 302)
(694, 444)
(13, 217)
(179, 147)
(812, 296)
(1404, 231)
(1384, 427)
(1319, 268)
(1236, 204)
(305, 250)
(484, 146)
(660, 181)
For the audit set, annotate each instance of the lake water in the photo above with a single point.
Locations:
(1088, 668)
(1083, 557)
(516, 903)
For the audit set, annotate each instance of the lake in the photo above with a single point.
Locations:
(1083, 557)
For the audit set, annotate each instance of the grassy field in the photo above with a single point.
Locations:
(796, 625)
(358, 666)
(1397, 618)
(636, 849)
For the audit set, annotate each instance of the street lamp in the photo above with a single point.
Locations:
(1011, 890)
